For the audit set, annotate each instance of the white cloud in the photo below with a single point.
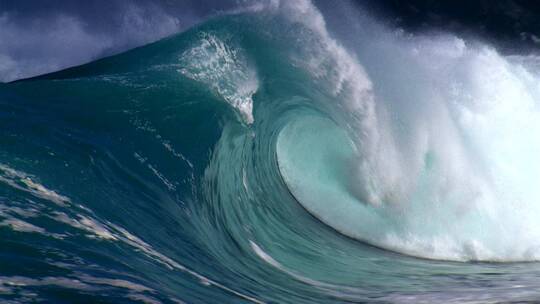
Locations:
(51, 43)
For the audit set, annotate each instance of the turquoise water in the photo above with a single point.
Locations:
(255, 158)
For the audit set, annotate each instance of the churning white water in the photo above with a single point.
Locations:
(446, 137)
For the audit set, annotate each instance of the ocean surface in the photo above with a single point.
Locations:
(267, 155)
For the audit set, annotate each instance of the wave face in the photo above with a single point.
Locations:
(257, 158)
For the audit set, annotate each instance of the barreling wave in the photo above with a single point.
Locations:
(186, 167)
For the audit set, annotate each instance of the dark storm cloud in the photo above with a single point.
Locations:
(511, 25)
(38, 37)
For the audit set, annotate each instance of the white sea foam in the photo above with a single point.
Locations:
(223, 67)
(20, 225)
(22, 181)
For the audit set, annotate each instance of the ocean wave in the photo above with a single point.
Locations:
(260, 157)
